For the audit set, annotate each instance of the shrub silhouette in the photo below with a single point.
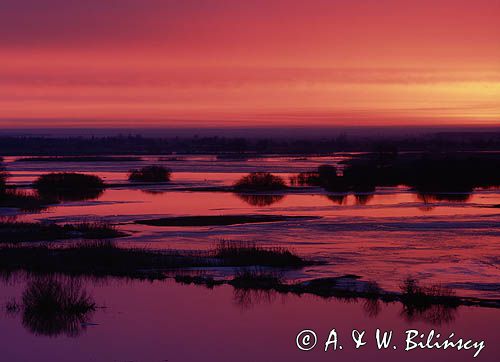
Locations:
(360, 177)
(150, 174)
(260, 181)
(441, 175)
(326, 172)
(438, 173)
(306, 179)
(69, 186)
(325, 176)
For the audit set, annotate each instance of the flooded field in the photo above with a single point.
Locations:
(165, 321)
(383, 236)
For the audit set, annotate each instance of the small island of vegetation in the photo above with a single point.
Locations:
(150, 174)
(260, 181)
(69, 186)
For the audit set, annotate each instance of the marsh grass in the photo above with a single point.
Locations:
(25, 201)
(101, 259)
(15, 232)
(416, 296)
(95, 258)
(248, 253)
(434, 303)
(104, 258)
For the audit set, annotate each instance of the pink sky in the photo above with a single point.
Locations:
(244, 63)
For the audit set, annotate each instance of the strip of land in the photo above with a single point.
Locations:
(218, 220)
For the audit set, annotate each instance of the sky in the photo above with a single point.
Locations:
(206, 63)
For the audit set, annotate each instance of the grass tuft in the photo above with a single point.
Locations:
(415, 295)
(247, 253)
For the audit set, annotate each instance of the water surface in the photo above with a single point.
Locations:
(383, 236)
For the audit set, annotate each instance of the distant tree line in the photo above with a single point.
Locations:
(121, 145)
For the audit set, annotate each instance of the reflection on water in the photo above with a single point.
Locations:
(433, 314)
(442, 238)
(162, 320)
(451, 197)
(372, 307)
(74, 194)
(436, 314)
(153, 191)
(339, 199)
(387, 237)
(248, 298)
(430, 201)
(261, 200)
(363, 199)
(373, 302)
(56, 305)
(53, 325)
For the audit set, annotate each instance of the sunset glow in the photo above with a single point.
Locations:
(240, 63)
